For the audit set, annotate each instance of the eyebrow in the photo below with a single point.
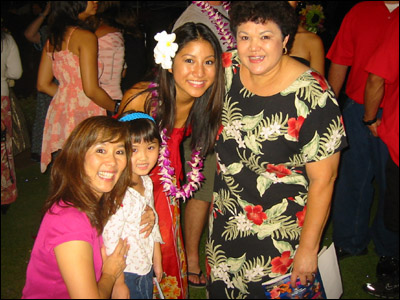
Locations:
(213, 56)
(266, 31)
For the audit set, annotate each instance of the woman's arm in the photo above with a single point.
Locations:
(137, 103)
(45, 82)
(32, 31)
(322, 175)
(75, 261)
(89, 70)
(157, 262)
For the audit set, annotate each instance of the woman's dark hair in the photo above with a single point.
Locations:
(108, 14)
(141, 129)
(279, 12)
(69, 181)
(205, 116)
(65, 14)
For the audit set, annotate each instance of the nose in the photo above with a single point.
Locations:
(198, 70)
(254, 45)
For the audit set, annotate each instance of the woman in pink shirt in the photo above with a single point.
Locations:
(88, 181)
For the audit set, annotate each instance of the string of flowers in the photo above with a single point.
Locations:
(167, 172)
(216, 18)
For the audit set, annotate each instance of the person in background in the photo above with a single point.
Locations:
(36, 33)
(70, 55)
(308, 47)
(213, 14)
(111, 49)
(185, 100)
(136, 64)
(363, 163)
(144, 254)
(11, 69)
(88, 181)
(383, 87)
(277, 154)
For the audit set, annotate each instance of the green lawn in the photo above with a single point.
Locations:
(19, 227)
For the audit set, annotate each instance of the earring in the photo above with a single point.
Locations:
(284, 50)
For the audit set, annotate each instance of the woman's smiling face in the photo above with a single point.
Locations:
(260, 46)
(194, 69)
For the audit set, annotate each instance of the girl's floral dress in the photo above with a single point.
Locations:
(260, 191)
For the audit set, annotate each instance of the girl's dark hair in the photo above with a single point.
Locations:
(279, 12)
(205, 115)
(69, 181)
(142, 129)
(65, 14)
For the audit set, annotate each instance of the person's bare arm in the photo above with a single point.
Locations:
(317, 54)
(45, 76)
(75, 261)
(128, 103)
(374, 92)
(322, 175)
(32, 31)
(89, 70)
(336, 76)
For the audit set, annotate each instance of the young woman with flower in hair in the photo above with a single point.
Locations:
(185, 100)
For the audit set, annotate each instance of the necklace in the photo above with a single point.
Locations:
(217, 19)
(167, 172)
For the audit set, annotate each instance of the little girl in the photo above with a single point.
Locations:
(144, 253)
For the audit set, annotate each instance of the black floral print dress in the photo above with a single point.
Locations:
(260, 191)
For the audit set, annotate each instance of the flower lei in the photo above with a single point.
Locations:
(195, 177)
(216, 18)
(165, 49)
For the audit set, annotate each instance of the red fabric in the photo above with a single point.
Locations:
(361, 30)
(174, 285)
(385, 63)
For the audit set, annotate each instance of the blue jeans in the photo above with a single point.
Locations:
(362, 162)
(140, 286)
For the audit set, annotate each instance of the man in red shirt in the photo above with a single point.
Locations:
(365, 159)
(383, 88)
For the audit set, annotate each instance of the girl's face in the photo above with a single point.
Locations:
(90, 10)
(260, 46)
(194, 69)
(104, 163)
(144, 158)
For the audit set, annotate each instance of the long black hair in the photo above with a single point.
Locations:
(205, 115)
(65, 14)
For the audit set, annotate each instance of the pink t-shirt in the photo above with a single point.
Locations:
(43, 277)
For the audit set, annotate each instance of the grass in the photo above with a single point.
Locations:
(19, 227)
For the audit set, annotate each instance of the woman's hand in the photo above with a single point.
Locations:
(115, 263)
(148, 219)
(305, 266)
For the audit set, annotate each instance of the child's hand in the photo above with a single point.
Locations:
(158, 271)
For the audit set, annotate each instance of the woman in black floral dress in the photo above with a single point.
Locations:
(278, 155)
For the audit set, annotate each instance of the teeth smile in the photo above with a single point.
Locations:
(106, 175)
(196, 82)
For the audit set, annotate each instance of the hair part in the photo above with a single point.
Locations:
(261, 12)
(69, 181)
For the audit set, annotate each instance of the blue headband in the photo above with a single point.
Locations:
(136, 116)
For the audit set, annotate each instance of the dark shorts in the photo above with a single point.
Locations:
(205, 193)
(391, 210)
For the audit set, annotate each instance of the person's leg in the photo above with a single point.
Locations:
(196, 215)
(196, 212)
(353, 190)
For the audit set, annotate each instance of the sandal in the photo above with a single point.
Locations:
(196, 285)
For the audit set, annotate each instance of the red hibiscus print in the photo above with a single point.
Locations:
(255, 214)
(226, 59)
(280, 170)
(281, 264)
(295, 126)
(321, 80)
(301, 216)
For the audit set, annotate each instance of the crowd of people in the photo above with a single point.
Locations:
(237, 121)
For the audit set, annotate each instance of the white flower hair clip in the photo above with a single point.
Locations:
(165, 49)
